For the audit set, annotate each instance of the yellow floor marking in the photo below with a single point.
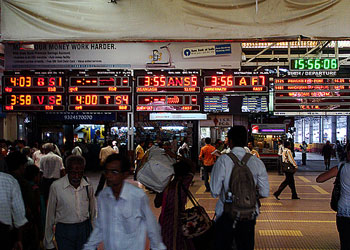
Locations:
(319, 189)
(297, 185)
(280, 248)
(286, 193)
(303, 179)
(201, 190)
(303, 198)
(271, 204)
(299, 221)
(293, 233)
(308, 212)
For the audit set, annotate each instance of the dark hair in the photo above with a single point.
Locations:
(75, 159)
(124, 161)
(15, 160)
(286, 144)
(181, 168)
(26, 150)
(31, 172)
(207, 140)
(238, 135)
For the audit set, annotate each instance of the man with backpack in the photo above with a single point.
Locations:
(238, 179)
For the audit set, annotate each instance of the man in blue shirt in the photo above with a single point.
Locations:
(124, 216)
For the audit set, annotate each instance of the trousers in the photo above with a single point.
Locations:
(72, 236)
(206, 171)
(343, 226)
(288, 181)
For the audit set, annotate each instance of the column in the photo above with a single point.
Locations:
(311, 132)
(334, 129)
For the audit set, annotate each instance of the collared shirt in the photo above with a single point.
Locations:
(287, 156)
(105, 152)
(37, 155)
(205, 154)
(51, 165)
(77, 151)
(221, 173)
(68, 205)
(139, 152)
(280, 149)
(11, 202)
(123, 223)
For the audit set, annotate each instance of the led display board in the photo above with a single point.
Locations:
(34, 91)
(216, 104)
(255, 104)
(99, 90)
(234, 82)
(312, 94)
(171, 90)
(313, 64)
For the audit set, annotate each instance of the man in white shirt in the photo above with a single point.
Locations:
(70, 208)
(124, 216)
(106, 151)
(37, 155)
(51, 166)
(243, 233)
(12, 211)
(280, 152)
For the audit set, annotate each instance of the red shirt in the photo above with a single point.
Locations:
(205, 153)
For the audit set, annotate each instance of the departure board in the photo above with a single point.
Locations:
(255, 104)
(312, 94)
(95, 90)
(168, 90)
(216, 104)
(34, 91)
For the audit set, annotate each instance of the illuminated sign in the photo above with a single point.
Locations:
(167, 103)
(90, 102)
(314, 64)
(309, 94)
(254, 104)
(108, 84)
(226, 83)
(216, 104)
(33, 102)
(26, 84)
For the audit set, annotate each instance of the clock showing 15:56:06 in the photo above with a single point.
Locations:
(314, 64)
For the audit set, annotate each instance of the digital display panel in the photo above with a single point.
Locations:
(29, 84)
(168, 81)
(167, 103)
(312, 94)
(216, 104)
(34, 102)
(234, 82)
(109, 84)
(254, 104)
(99, 103)
(313, 64)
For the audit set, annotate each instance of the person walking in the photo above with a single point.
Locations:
(173, 201)
(280, 152)
(287, 157)
(327, 153)
(124, 215)
(208, 160)
(252, 150)
(303, 148)
(242, 232)
(343, 213)
(71, 207)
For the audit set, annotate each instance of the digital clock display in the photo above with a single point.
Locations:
(25, 84)
(308, 94)
(167, 103)
(102, 84)
(239, 84)
(91, 102)
(314, 64)
(32, 102)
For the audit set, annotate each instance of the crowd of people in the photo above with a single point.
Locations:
(48, 202)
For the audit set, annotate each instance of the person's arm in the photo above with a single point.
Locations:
(50, 218)
(96, 237)
(327, 175)
(217, 177)
(263, 181)
(153, 228)
(92, 204)
(201, 155)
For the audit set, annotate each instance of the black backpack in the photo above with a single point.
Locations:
(241, 198)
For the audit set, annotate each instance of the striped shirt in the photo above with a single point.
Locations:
(287, 156)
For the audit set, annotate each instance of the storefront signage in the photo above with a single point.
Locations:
(268, 128)
(218, 121)
(176, 116)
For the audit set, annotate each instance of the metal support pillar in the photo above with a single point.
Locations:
(334, 129)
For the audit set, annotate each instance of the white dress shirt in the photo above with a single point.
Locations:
(68, 205)
(51, 165)
(122, 224)
(280, 149)
(221, 173)
(12, 210)
(37, 155)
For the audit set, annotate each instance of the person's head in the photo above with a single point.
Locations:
(226, 140)
(279, 142)
(218, 143)
(207, 140)
(142, 143)
(181, 168)
(117, 168)
(174, 138)
(26, 151)
(237, 136)
(16, 162)
(20, 144)
(48, 147)
(167, 145)
(337, 142)
(75, 166)
(328, 142)
(304, 142)
(287, 144)
(31, 173)
(250, 145)
(109, 143)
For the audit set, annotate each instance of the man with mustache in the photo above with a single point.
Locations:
(70, 208)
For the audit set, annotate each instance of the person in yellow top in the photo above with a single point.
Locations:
(139, 154)
(287, 156)
(252, 150)
(208, 160)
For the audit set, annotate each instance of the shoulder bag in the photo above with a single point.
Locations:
(288, 167)
(336, 191)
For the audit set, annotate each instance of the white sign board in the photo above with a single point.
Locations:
(177, 117)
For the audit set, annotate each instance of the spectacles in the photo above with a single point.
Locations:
(112, 171)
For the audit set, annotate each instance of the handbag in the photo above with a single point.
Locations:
(288, 167)
(194, 221)
(336, 191)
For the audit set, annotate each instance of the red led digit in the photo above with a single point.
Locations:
(40, 99)
(187, 81)
(214, 81)
(28, 99)
(230, 81)
(41, 81)
(52, 99)
(13, 81)
(22, 100)
(118, 100)
(156, 81)
(60, 81)
(78, 98)
(147, 81)
(58, 100)
(194, 81)
(126, 99)
(223, 81)
(22, 81)
(243, 81)
(262, 80)
(194, 100)
(107, 97)
(162, 81)
(13, 100)
(52, 81)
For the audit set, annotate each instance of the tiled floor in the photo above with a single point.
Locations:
(305, 224)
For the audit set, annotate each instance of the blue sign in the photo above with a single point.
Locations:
(187, 52)
(223, 49)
